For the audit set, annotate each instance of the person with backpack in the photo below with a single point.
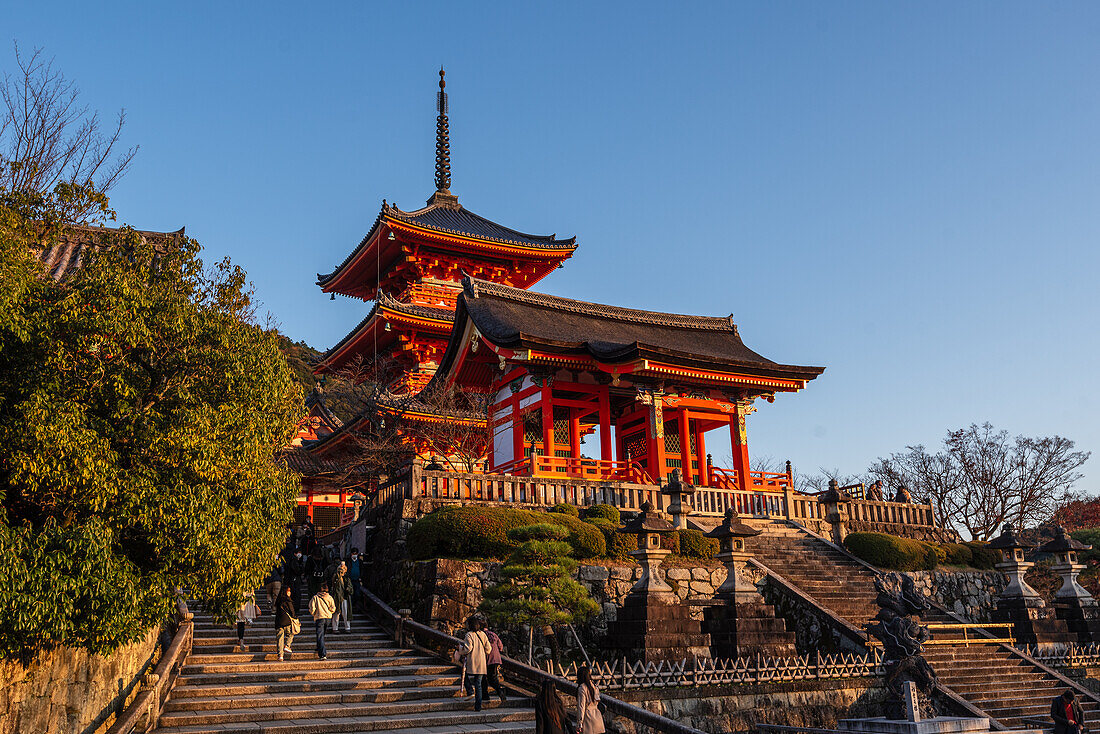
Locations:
(493, 663)
(589, 718)
(321, 606)
(286, 623)
(475, 652)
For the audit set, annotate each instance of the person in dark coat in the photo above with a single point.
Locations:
(293, 571)
(315, 571)
(1066, 712)
(339, 585)
(550, 716)
(284, 613)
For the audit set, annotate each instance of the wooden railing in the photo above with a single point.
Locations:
(581, 467)
(771, 502)
(145, 710)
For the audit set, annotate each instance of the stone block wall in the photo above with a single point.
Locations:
(970, 594)
(71, 691)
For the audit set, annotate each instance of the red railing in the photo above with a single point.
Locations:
(581, 467)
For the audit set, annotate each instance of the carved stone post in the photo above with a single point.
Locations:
(679, 503)
(731, 535)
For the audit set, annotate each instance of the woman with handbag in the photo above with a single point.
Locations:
(286, 623)
(589, 718)
(475, 653)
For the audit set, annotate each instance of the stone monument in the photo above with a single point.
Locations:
(1073, 604)
(902, 639)
(1032, 622)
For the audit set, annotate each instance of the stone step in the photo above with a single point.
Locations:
(280, 712)
(305, 661)
(255, 645)
(455, 722)
(262, 700)
(285, 688)
(334, 651)
(271, 674)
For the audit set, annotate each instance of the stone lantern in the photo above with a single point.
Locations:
(731, 535)
(358, 500)
(679, 493)
(1013, 566)
(1072, 603)
(835, 501)
(1065, 549)
(649, 526)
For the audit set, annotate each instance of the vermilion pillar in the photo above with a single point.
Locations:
(740, 448)
(701, 454)
(685, 446)
(605, 425)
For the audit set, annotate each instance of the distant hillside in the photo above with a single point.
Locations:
(301, 357)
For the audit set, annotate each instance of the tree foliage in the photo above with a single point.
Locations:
(983, 478)
(1079, 513)
(140, 411)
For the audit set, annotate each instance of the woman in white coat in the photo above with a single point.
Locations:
(475, 653)
(589, 718)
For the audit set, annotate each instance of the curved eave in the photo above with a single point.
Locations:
(347, 347)
(553, 256)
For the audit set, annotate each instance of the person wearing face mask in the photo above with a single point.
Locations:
(355, 574)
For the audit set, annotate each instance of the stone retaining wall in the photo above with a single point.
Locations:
(71, 691)
(970, 594)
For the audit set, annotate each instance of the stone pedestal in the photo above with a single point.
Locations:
(652, 627)
(1032, 622)
(1081, 617)
(746, 630)
(937, 725)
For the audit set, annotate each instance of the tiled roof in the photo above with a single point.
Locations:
(457, 220)
(518, 319)
(428, 312)
(65, 256)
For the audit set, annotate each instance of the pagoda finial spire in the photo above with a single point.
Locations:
(442, 140)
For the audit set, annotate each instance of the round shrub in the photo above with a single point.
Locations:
(958, 554)
(940, 551)
(981, 556)
(694, 544)
(607, 512)
(618, 544)
(889, 551)
(564, 509)
(482, 532)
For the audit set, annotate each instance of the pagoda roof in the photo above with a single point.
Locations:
(316, 399)
(447, 217)
(385, 304)
(515, 319)
(64, 256)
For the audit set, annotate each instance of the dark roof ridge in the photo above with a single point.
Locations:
(521, 238)
(475, 287)
(415, 309)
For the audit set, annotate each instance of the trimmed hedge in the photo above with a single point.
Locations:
(607, 512)
(481, 532)
(694, 544)
(565, 509)
(981, 556)
(618, 544)
(888, 551)
(958, 554)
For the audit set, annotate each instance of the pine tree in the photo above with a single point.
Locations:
(538, 589)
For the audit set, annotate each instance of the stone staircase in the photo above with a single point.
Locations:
(367, 684)
(1005, 686)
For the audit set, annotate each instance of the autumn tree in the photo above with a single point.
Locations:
(49, 137)
(982, 477)
(140, 410)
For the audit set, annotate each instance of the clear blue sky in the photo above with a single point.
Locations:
(905, 193)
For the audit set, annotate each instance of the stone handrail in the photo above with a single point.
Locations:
(443, 641)
(145, 710)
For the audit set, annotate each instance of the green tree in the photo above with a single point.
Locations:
(140, 411)
(538, 589)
